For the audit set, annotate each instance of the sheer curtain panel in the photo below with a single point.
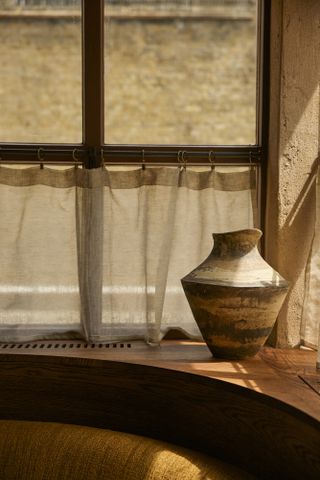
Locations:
(99, 253)
(39, 294)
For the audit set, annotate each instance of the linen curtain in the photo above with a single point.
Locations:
(310, 329)
(100, 253)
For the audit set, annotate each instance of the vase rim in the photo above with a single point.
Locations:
(243, 230)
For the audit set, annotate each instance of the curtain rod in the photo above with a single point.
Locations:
(180, 157)
(41, 162)
(20, 155)
(181, 151)
(93, 158)
(138, 164)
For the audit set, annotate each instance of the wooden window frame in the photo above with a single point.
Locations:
(92, 152)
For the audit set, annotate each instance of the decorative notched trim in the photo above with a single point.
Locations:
(62, 345)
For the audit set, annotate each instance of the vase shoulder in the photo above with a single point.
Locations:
(235, 261)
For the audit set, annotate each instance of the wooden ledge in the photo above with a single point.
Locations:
(278, 373)
(255, 413)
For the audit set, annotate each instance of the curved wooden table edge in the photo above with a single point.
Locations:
(155, 367)
(271, 436)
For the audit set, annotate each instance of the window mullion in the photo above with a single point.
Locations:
(93, 78)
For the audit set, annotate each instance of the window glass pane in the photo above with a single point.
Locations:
(40, 74)
(181, 71)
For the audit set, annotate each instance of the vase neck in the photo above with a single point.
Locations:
(235, 244)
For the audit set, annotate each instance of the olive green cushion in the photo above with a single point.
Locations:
(53, 451)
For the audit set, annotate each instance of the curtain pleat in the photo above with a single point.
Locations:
(100, 253)
(89, 204)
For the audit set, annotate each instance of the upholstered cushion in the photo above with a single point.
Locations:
(53, 451)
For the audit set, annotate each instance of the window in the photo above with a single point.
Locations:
(40, 79)
(155, 112)
(185, 76)
(170, 81)
(180, 72)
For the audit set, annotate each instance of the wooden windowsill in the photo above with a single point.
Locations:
(278, 373)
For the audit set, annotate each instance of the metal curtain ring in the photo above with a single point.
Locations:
(143, 160)
(183, 158)
(40, 156)
(211, 159)
(74, 151)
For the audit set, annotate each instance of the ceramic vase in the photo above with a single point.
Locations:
(234, 295)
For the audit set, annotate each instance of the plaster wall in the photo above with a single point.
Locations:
(293, 152)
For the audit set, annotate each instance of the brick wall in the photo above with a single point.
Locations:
(171, 81)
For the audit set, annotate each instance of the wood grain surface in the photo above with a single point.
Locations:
(236, 411)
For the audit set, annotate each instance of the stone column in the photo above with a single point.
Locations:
(293, 152)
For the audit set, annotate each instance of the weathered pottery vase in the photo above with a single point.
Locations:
(234, 295)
